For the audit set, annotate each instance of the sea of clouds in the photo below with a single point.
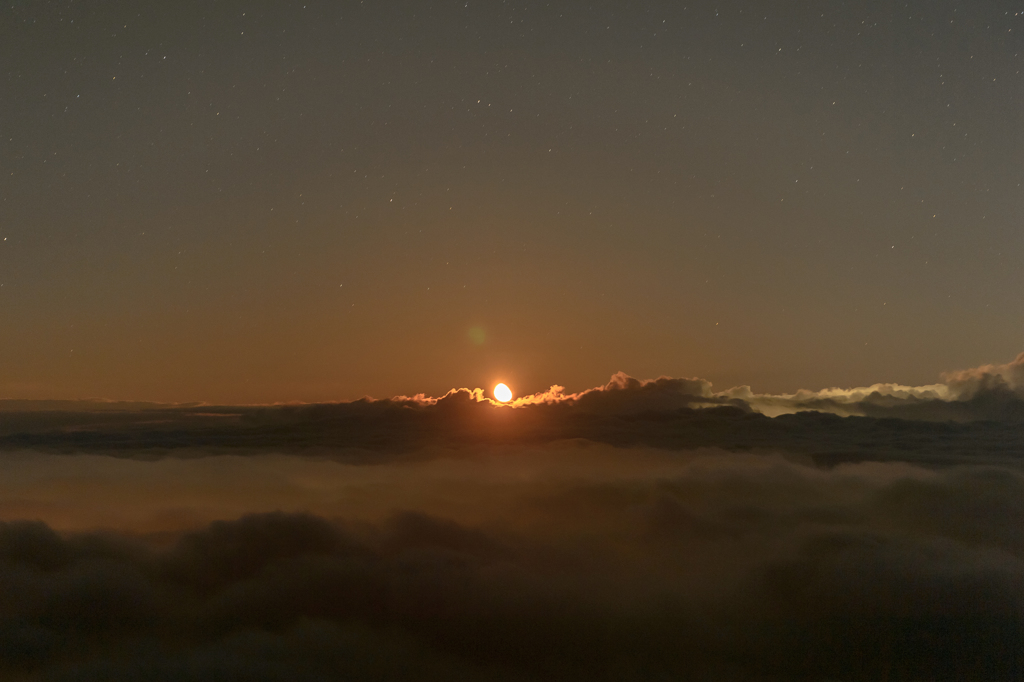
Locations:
(639, 531)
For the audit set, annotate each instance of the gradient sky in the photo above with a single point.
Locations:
(270, 201)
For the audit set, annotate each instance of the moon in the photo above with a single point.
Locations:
(502, 393)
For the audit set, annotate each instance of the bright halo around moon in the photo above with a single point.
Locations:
(502, 393)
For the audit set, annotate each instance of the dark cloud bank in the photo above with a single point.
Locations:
(976, 414)
(737, 572)
(572, 537)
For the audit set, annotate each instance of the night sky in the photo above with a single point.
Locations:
(249, 202)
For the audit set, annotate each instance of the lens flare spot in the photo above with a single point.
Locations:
(502, 393)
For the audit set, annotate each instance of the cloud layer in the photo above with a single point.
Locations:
(583, 562)
(641, 530)
(990, 392)
(973, 415)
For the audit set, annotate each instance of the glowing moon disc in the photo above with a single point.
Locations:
(502, 393)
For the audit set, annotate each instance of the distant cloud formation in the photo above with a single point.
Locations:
(991, 392)
(974, 414)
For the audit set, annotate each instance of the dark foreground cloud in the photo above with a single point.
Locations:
(973, 415)
(603, 564)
